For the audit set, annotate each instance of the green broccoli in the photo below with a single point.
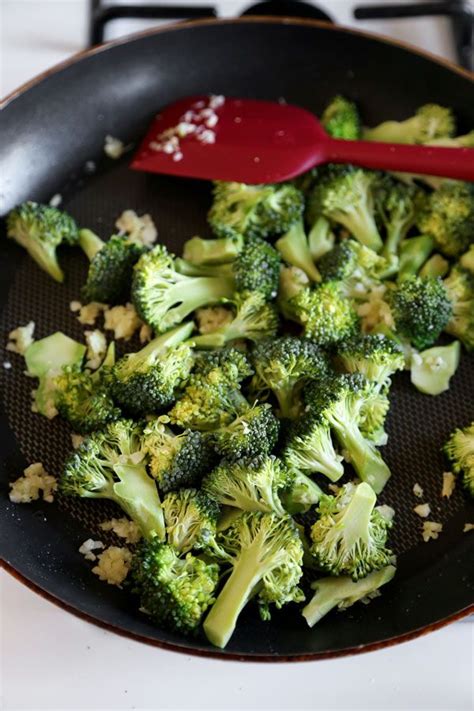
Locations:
(300, 494)
(83, 398)
(466, 260)
(253, 432)
(421, 309)
(376, 356)
(232, 361)
(345, 195)
(190, 519)
(283, 366)
(213, 251)
(254, 210)
(432, 370)
(459, 286)
(435, 266)
(41, 229)
(251, 484)
(413, 254)
(111, 464)
(459, 449)
(373, 412)
(163, 297)
(429, 122)
(448, 217)
(145, 382)
(350, 535)
(342, 592)
(267, 554)
(294, 248)
(176, 460)
(292, 280)
(309, 447)
(396, 205)
(356, 267)
(174, 591)
(338, 400)
(341, 119)
(321, 238)
(254, 320)
(111, 267)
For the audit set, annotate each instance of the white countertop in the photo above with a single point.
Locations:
(52, 660)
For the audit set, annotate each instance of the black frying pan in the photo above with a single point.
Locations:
(50, 129)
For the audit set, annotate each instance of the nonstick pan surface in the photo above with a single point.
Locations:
(51, 130)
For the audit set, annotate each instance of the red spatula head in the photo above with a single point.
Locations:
(248, 141)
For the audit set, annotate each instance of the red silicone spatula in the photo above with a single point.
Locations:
(253, 141)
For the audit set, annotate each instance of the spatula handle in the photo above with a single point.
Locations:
(457, 163)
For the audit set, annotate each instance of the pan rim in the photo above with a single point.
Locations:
(122, 631)
(255, 19)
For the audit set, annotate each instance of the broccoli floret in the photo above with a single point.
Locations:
(341, 119)
(357, 268)
(345, 196)
(111, 464)
(254, 210)
(146, 381)
(430, 122)
(40, 229)
(338, 400)
(309, 448)
(373, 412)
(342, 592)
(413, 254)
(376, 356)
(190, 519)
(213, 251)
(266, 554)
(254, 320)
(174, 591)
(459, 285)
(467, 260)
(45, 359)
(177, 460)
(253, 432)
(283, 366)
(326, 315)
(292, 280)
(232, 361)
(435, 266)
(300, 494)
(294, 248)
(83, 398)
(350, 535)
(421, 309)
(459, 449)
(251, 484)
(448, 217)
(163, 297)
(111, 267)
(396, 206)
(321, 238)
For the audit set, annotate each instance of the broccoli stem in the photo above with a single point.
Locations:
(321, 239)
(361, 223)
(213, 251)
(201, 291)
(363, 456)
(294, 248)
(137, 494)
(239, 588)
(165, 340)
(287, 402)
(436, 266)
(214, 270)
(413, 254)
(90, 243)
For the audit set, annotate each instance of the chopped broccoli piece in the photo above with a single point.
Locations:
(429, 122)
(448, 217)
(345, 195)
(177, 460)
(300, 494)
(163, 297)
(213, 251)
(459, 449)
(431, 370)
(342, 592)
(41, 229)
(459, 285)
(292, 280)
(253, 432)
(174, 591)
(357, 268)
(232, 361)
(341, 119)
(111, 267)
(266, 554)
(251, 484)
(146, 381)
(396, 206)
(309, 448)
(254, 210)
(421, 309)
(190, 519)
(283, 366)
(435, 266)
(254, 320)
(350, 534)
(339, 400)
(326, 315)
(111, 464)
(321, 238)
(294, 248)
(376, 356)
